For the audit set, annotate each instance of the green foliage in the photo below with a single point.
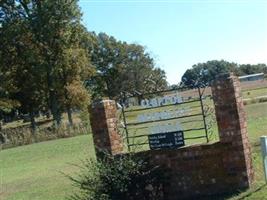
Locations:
(122, 67)
(84, 116)
(19, 136)
(57, 27)
(252, 69)
(119, 178)
(42, 60)
(202, 74)
(6, 105)
(255, 100)
(48, 58)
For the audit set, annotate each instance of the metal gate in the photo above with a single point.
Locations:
(178, 112)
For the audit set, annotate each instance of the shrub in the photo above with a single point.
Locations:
(255, 100)
(119, 178)
(263, 99)
(13, 137)
(84, 116)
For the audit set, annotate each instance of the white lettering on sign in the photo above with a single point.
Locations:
(165, 128)
(160, 101)
(163, 115)
(166, 140)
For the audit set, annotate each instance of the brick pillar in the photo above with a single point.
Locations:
(103, 118)
(232, 126)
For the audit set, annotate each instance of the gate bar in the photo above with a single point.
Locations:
(161, 120)
(168, 105)
(203, 113)
(187, 130)
(125, 124)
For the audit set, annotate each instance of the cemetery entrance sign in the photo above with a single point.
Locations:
(165, 119)
(171, 119)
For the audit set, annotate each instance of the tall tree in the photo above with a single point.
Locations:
(55, 25)
(123, 67)
(48, 51)
(75, 70)
(252, 69)
(20, 59)
(202, 74)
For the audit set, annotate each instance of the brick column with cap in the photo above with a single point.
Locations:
(103, 118)
(233, 133)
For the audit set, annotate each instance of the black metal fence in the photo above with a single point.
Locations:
(166, 112)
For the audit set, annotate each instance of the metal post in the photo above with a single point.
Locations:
(125, 123)
(203, 114)
(263, 140)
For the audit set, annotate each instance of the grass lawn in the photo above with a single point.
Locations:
(254, 93)
(33, 172)
(257, 126)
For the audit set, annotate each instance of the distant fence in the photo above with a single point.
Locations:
(13, 137)
(252, 85)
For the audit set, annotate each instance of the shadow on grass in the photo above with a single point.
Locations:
(234, 195)
(252, 192)
(239, 195)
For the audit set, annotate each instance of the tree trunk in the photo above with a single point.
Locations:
(52, 95)
(55, 109)
(48, 114)
(58, 118)
(70, 116)
(68, 106)
(139, 98)
(33, 123)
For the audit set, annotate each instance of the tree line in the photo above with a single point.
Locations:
(202, 74)
(50, 62)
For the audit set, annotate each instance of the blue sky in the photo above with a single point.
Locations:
(180, 33)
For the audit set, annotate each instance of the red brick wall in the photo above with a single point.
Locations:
(199, 170)
(194, 171)
(232, 126)
(103, 118)
(209, 169)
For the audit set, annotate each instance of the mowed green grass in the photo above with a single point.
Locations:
(254, 93)
(34, 172)
(257, 126)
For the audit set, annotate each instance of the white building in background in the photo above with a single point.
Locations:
(252, 77)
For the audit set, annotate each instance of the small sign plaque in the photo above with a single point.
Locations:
(166, 140)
